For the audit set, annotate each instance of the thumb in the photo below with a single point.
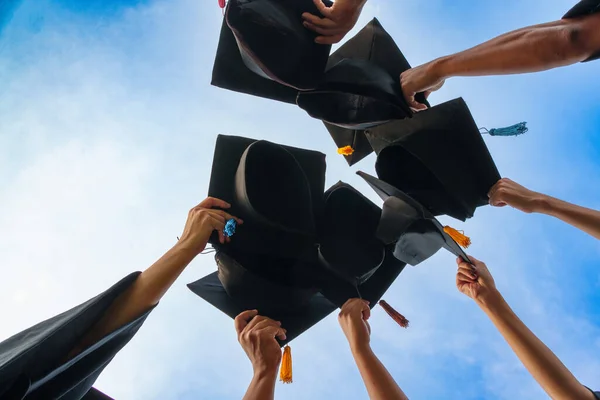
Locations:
(414, 104)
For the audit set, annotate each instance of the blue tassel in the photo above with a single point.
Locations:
(230, 228)
(514, 130)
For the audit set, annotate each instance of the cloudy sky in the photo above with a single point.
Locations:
(107, 128)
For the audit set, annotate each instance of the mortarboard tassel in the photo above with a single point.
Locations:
(514, 130)
(346, 150)
(458, 236)
(229, 229)
(396, 316)
(285, 372)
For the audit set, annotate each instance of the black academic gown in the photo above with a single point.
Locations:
(581, 9)
(32, 362)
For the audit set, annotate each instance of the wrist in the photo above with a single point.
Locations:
(186, 247)
(442, 68)
(490, 301)
(265, 373)
(543, 204)
(358, 349)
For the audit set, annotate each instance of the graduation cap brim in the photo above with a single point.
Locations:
(355, 94)
(95, 394)
(438, 157)
(348, 244)
(211, 290)
(431, 231)
(253, 236)
(375, 45)
(274, 43)
(230, 72)
(372, 290)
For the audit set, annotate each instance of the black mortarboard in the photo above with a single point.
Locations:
(348, 245)
(265, 50)
(277, 288)
(308, 281)
(95, 394)
(277, 191)
(34, 363)
(361, 88)
(438, 158)
(413, 231)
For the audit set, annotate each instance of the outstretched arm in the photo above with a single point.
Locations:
(507, 192)
(559, 383)
(531, 49)
(378, 381)
(257, 336)
(154, 282)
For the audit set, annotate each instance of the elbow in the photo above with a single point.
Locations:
(576, 43)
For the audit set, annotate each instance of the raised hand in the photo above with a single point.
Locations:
(420, 79)
(507, 192)
(337, 20)
(256, 335)
(202, 221)
(474, 280)
(353, 319)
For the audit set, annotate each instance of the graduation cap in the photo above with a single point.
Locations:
(360, 89)
(265, 50)
(414, 232)
(317, 271)
(277, 191)
(438, 158)
(277, 288)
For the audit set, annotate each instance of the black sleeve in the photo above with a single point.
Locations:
(36, 356)
(581, 9)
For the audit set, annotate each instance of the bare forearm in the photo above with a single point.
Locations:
(540, 361)
(262, 386)
(586, 219)
(145, 293)
(530, 49)
(378, 381)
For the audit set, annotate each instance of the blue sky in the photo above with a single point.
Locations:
(107, 128)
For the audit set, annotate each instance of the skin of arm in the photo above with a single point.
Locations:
(257, 336)
(153, 283)
(378, 381)
(551, 374)
(531, 49)
(507, 192)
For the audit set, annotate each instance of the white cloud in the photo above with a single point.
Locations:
(107, 140)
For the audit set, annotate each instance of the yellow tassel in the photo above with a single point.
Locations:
(346, 150)
(458, 236)
(285, 372)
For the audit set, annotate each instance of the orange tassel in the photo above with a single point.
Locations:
(458, 236)
(346, 150)
(396, 316)
(285, 372)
